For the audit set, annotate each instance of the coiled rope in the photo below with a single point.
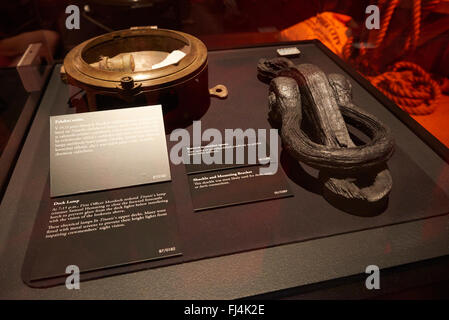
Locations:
(406, 83)
(410, 87)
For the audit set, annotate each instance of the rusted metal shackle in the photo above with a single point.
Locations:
(304, 93)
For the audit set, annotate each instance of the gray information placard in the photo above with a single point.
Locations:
(107, 149)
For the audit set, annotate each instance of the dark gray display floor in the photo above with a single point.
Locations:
(330, 245)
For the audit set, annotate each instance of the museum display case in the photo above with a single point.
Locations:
(224, 149)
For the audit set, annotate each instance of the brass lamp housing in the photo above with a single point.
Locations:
(186, 79)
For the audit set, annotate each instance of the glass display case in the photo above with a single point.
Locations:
(352, 98)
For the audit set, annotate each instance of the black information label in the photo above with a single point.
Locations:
(225, 155)
(236, 186)
(103, 229)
